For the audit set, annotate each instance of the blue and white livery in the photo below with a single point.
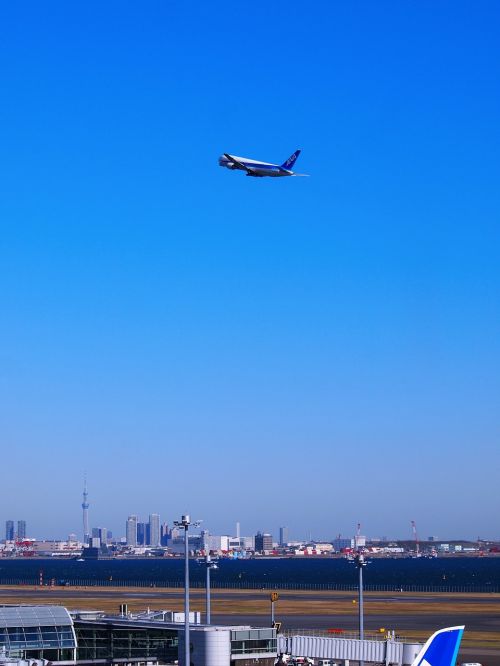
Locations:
(441, 649)
(260, 169)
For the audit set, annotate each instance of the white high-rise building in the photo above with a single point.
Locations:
(154, 530)
(131, 531)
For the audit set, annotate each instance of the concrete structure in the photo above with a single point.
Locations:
(131, 530)
(154, 530)
(9, 530)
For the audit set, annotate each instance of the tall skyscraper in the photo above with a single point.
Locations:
(85, 507)
(9, 530)
(141, 534)
(21, 530)
(154, 530)
(165, 532)
(283, 536)
(131, 531)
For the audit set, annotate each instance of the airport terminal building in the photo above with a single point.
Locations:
(83, 637)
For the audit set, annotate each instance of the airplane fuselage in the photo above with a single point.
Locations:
(253, 167)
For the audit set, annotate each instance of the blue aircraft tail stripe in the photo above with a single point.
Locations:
(441, 649)
(290, 161)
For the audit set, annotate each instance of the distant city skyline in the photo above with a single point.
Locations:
(280, 534)
(310, 352)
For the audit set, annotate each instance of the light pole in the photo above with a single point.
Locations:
(184, 523)
(360, 563)
(209, 564)
(274, 599)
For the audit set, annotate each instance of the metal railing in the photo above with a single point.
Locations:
(341, 633)
(253, 585)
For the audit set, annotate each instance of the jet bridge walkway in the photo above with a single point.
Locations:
(389, 652)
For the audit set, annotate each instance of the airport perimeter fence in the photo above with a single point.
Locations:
(251, 585)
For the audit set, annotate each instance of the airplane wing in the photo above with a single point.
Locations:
(240, 164)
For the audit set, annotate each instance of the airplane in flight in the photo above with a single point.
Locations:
(260, 169)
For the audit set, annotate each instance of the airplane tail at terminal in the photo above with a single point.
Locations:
(441, 649)
(290, 161)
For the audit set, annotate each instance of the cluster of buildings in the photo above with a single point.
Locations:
(13, 534)
(151, 537)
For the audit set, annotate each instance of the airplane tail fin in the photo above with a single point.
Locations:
(290, 161)
(441, 649)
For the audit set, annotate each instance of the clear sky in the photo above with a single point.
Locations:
(306, 352)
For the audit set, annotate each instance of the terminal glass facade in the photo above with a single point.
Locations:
(37, 632)
(253, 641)
(125, 642)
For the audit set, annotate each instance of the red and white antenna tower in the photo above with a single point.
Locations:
(415, 535)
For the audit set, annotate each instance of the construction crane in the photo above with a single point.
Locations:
(415, 536)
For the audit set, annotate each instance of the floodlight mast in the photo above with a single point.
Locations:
(209, 564)
(184, 523)
(360, 563)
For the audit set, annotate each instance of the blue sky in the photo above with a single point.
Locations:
(311, 352)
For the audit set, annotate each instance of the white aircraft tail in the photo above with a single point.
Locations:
(441, 649)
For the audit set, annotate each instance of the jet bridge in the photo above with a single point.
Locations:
(389, 652)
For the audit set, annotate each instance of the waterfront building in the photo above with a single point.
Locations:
(21, 530)
(283, 536)
(341, 543)
(359, 541)
(176, 545)
(9, 530)
(154, 530)
(54, 546)
(248, 542)
(165, 534)
(263, 542)
(100, 533)
(205, 546)
(141, 534)
(131, 530)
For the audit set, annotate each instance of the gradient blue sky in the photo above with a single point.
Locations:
(311, 352)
